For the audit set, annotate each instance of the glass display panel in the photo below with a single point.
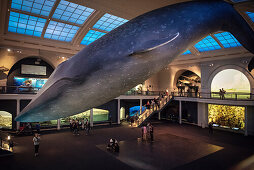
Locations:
(5, 120)
(29, 82)
(225, 116)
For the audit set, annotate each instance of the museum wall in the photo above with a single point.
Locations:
(167, 78)
(8, 59)
(210, 69)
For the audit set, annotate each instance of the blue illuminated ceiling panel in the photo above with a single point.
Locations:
(227, 39)
(109, 22)
(91, 36)
(251, 15)
(187, 52)
(26, 24)
(71, 12)
(40, 7)
(60, 31)
(207, 44)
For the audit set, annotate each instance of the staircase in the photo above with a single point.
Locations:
(153, 109)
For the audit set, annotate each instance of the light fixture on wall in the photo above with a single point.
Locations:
(9, 50)
(210, 65)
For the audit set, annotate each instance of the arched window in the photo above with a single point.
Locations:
(232, 81)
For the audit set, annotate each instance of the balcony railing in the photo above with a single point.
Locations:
(18, 90)
(216, 95)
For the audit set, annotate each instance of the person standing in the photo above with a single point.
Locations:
(151, 132)
(36, 141)
(210, 127)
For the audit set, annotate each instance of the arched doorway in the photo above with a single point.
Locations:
(5, 120)
(28, 75)
(233, 82)
(188, 84)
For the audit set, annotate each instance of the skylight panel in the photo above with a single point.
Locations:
(60, 31)
(26, 24)
(109, 22)
(207, 44)
(227, 39)
(186, 52)
(68, 11)
(251, 15)
(91, 36)
(40, 7)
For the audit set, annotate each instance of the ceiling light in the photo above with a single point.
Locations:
(9, 50)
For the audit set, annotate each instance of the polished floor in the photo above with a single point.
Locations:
(175, 147)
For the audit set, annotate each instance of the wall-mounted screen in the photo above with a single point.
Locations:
(29, 82)
(32, 69)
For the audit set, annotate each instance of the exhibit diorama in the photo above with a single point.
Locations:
(125, 64)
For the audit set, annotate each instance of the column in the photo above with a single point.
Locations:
(18, 112)
(246, 122)
(180, 112)
(140, 102)
(202, 115)
(118, 111)
(159, 115)
(91, 118)
(58, 124)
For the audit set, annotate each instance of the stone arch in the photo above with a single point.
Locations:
(179, 73)
(236, 67)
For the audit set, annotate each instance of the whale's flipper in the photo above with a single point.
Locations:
(251, 64)
(153, 44)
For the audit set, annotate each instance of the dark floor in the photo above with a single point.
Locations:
(175, 147)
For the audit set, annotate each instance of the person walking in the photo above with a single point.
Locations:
(36, 141)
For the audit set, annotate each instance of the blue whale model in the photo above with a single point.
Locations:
(129, 55)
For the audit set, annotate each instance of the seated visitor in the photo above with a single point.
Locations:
(113, 145)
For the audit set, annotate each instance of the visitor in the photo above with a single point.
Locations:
(148, 104)
(110, 120)
(150, 131)
(36, 141)
(196, 91)
(210, 127)
(82, 124)
(88, 127)
(11, 145)
(152, 104)
(223, 92)
(113, 145)
(144, 133)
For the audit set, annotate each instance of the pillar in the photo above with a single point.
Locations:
(202, 115)
(91, 118)
(118, 111)
(180, 112)
(140, 110)
(18, 112)
(246, 121)
(58, 124)
(159, 115)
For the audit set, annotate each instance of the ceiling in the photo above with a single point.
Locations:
(55, 16)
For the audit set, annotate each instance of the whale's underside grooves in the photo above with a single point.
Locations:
(130, 54)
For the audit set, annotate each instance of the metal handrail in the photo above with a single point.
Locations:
(216, 95)
(18, 89)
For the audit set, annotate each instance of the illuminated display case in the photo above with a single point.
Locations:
(225, 116)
